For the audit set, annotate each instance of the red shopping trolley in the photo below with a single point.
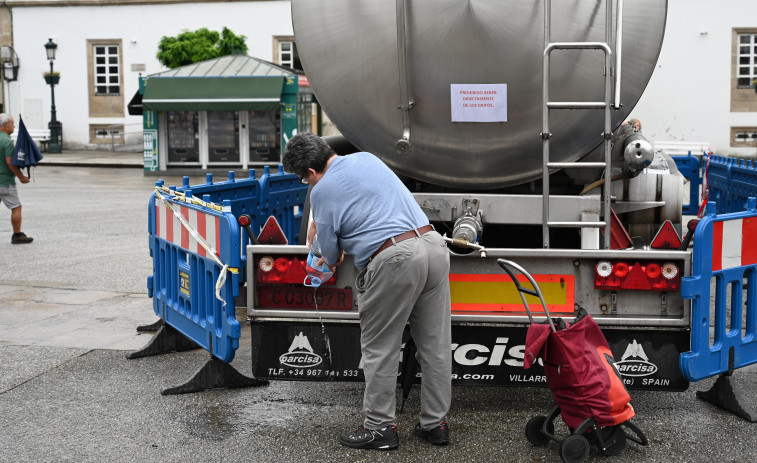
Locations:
(581, 374)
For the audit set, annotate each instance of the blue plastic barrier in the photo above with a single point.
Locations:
(726, 251)
(243, 195)
(183, 284)
(690, 168)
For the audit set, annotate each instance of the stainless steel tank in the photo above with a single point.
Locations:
(349, 51)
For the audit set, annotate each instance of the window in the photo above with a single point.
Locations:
(743, 69)
(305, 112)
(105, 78)
(286, 53)
(104, 133)
(264, 135)
(107, 70)
(743, 137)
(747, 60)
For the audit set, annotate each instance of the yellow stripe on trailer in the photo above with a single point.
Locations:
(496, 293)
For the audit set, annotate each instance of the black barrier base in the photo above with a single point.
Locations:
(166, 340)
(727, 394)
(153, 327)
(215, 374)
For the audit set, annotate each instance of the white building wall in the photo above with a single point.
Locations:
(141, 28)
(688, 98)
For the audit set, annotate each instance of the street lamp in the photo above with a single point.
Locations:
(54, 125)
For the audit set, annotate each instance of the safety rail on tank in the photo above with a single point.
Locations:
(606, 105)
(197, 247)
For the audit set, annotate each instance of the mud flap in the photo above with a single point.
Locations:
(482, 355)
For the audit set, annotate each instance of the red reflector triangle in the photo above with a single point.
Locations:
(295, 273)
(666, 238)
(619, 237)
(636, 279)
(272, 233)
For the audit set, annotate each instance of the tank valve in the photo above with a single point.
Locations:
(467, 228)
(638, 152)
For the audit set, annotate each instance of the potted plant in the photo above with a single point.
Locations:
(52, 78)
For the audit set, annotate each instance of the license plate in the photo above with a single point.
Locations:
(293, 297)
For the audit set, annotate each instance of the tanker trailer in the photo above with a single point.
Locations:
(505, 120)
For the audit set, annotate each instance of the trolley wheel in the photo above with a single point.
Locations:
(615, 440)
(533, 430)
(574, 448)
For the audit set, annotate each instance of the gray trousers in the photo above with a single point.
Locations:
(408, 281)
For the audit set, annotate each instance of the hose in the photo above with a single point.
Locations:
(600, 182)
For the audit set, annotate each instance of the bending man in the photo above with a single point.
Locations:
(362, 208)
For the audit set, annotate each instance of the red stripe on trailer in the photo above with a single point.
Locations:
(184, 232)
(201, 231)
(717, 246)
(749, 247)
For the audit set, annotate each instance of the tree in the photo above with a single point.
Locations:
(200, 45)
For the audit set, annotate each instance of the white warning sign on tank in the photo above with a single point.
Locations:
(478, 102)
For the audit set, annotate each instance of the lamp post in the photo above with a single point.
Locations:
(54, 125)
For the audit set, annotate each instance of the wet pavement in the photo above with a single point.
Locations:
(69, 306)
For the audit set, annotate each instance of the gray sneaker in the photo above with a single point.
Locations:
(20, 238)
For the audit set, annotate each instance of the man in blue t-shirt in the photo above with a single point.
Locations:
(362, 208)
(8, 175)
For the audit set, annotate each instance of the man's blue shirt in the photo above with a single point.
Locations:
(358, 204)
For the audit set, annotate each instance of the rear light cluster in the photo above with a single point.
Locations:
(283, 269)
(639, 275)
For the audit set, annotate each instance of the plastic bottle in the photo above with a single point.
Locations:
(316, 274)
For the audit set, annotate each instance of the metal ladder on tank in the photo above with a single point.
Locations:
(547, 105)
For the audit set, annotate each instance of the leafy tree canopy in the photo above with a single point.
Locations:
(200, 45)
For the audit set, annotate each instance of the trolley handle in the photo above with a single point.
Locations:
(506, 266)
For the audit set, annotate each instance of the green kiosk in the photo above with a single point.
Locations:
(230, 112)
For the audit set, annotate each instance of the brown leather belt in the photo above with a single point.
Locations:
(402, 237)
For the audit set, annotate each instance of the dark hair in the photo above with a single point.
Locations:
(306, 151)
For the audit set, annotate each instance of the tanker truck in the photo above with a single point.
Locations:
(505, 119)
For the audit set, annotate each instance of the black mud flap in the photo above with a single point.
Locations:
(306, 351)
(482, 355)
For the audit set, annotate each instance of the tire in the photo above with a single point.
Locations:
(533, 431)
(615, 440)
(574, 449)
